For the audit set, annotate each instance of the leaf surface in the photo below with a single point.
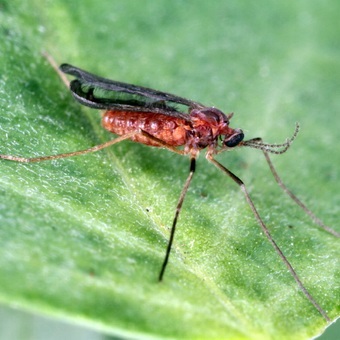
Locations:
(84, 238)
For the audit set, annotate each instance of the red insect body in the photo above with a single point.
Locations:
(201, 130)
(171, 130)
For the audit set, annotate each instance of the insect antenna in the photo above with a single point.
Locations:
(257, 143)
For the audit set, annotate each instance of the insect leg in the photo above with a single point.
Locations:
(162, 144)
(69, 154)
(296, 200)
(178, 209)
(268, 235)
(89, 150)
(53, 63)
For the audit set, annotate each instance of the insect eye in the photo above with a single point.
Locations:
(234, 140)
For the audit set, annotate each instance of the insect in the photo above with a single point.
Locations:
(180, 125)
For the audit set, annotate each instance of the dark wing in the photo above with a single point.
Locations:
(102, 93)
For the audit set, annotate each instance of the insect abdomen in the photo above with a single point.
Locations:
(170, 130)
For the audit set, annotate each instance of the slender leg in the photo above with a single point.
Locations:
(273, 148)
(53, 63)
(178, 210)
(163, 144)
(267, 233)
(89, 150)
(69, 154)
(296, 200)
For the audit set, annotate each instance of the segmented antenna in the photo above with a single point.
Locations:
(257, 143)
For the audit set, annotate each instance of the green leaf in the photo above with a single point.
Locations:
(83, 238)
